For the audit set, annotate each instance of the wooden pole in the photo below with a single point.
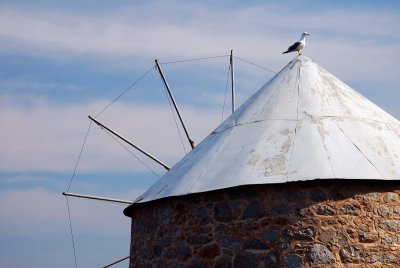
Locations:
(101, 198)
(130, 143)
(174, 103)
(233, 83)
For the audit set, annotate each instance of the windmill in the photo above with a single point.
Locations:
(130, 144)
(304, 173)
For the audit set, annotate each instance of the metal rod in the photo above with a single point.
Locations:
(130, 143)
(98, 198)
(232, 82)
(118, 261)
(176, 107)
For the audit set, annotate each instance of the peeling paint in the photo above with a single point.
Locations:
(254, 159)
(273, 166)
(286, 145)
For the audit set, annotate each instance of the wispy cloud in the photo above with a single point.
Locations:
(204, 30)
(46, 136)
(28, 84)
(37, 211)
(38, 219)
(258, 32)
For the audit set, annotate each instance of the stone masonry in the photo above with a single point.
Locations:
(320, 223)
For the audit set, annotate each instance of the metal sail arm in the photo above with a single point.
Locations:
(233, 83)
(174, 103)
(130, 143)
(101, 198)
(116, 262)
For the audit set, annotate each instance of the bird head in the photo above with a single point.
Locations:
(305, 33)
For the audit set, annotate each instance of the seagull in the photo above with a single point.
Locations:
(298, 45)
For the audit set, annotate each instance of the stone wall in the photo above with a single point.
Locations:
(321, 223)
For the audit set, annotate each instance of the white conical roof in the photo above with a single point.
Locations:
(304, 124)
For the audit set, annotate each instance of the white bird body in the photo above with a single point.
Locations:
(298, 45)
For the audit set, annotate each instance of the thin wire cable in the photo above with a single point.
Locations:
(176, 123)
(69, 187)
(129, 151)
(195, 59)
(126, 90)
(72, 233)
(79, 157)
(252, 63)
(226, 92)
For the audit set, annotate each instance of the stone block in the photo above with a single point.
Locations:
(305, 212)
(292, 260)
(198, 239)
(245, 260)
(325, 210)
(390, 225)
(396, 210)
(222, 262)
(203, 216)
(320, 254)
(317, 195)
(157, 250)
(391, 259)
(374, 196)
(229, 242)
(208, 251)
(170, 253)
(197, 264)
(176, 265)
(205, 230)
(165, 216)
(287, 234)
(166, 241)
(270, 235)
(304, 234)
(138, 227)
(390, 197)
(294, 196)
(270, 261)
(351, 255)
(184, 252)
(254, 244)
(350, 209)
(386, 239)
(282, 245)
(222, 212)
(144, 252)
(280, 210)
(252, 211)
(367, 238)
(384, 211)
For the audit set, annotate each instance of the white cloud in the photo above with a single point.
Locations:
(36, 211)
(46, 136)
(204, 31)
(38, 219)
(31, 84)
(355, 45)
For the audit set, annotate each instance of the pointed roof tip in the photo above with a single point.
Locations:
(303, 124)
(301, 57)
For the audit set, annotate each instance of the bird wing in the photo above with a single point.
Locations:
(293, 47)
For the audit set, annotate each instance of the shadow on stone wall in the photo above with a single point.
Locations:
(320, 223)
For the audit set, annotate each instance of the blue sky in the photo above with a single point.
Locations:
(64, 60)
